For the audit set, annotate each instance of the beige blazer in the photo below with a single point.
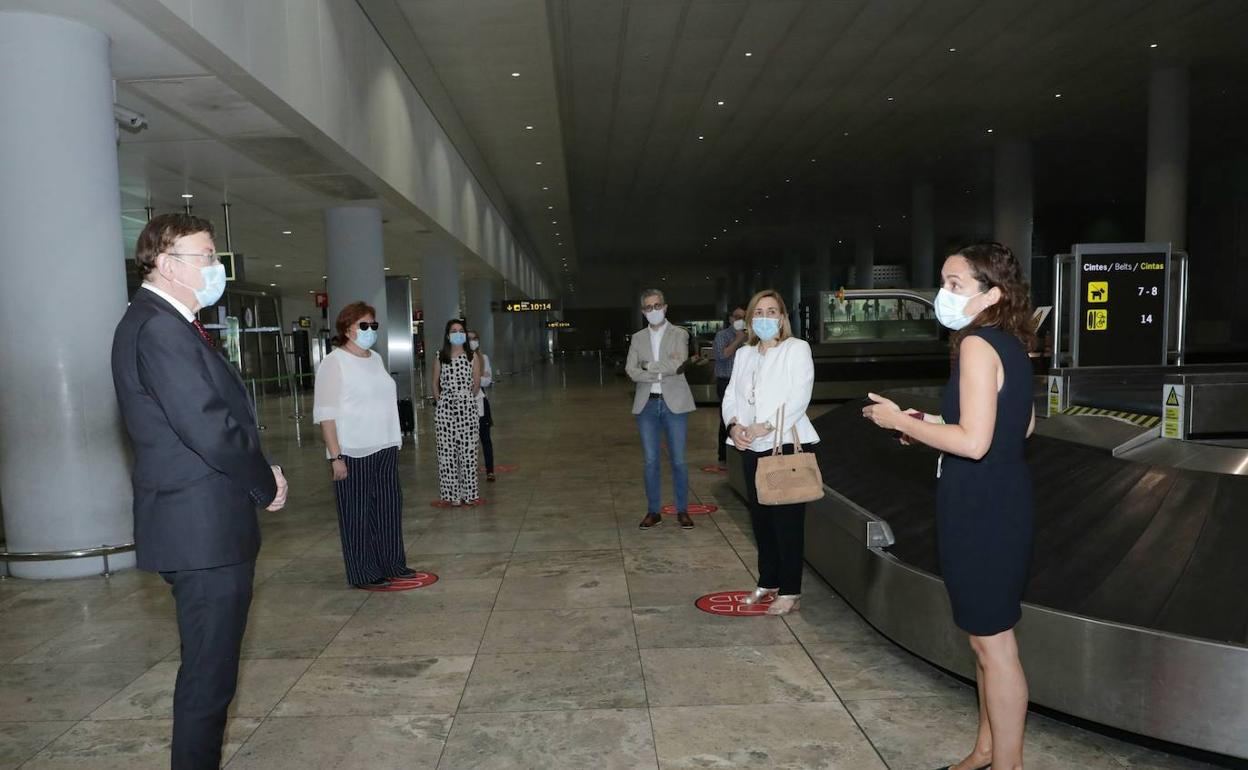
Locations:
(668, 371)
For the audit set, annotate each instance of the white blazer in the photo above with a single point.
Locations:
(785, 375)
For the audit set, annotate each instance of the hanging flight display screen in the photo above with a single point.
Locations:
(1121, 305)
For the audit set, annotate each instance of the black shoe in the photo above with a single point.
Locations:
(651, 520)
(686, 522)
(982, 767)
(373, 585)
(406, 572)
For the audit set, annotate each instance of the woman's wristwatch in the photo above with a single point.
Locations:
(338, 457)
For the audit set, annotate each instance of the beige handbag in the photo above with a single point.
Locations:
(788, 479)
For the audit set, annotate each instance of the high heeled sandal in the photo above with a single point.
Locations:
(760, 596)
(783, 605)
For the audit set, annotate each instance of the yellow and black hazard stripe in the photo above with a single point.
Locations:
(1142, 420)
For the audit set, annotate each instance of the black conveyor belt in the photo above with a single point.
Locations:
(1145, 545)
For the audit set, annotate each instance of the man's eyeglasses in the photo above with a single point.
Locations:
(211, 259)
(648, 308)
(364, 325)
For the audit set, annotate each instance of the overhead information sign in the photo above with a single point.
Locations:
(562, 326)
(528, 305)
(1122, 304)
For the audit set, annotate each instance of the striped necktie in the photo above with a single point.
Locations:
(203, 333)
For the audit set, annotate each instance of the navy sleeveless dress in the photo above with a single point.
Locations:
(985, 508)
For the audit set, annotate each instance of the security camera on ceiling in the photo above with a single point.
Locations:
(135, 121)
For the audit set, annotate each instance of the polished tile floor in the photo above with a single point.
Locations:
(558, 636)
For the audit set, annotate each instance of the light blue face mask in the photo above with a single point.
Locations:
(366, 338)
(765, 328)
(214, 283)
(457, 338)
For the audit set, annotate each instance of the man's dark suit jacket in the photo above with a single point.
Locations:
(199, 472)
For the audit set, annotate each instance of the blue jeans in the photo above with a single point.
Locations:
(655, 421)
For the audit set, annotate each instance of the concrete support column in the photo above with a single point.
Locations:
(1012, 205)
(1165, 206)
(504, 352)
(722, 298)
(439, 291)
(864, 254)
(63, 467)
(479, 293)
(357, 262)
(922, 235)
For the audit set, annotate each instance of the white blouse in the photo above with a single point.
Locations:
(487, 379)
(359, 395)
(761, 384)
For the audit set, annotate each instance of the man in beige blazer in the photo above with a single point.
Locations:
(657, 358)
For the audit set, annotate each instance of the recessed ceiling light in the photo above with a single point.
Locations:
(415, 279)
(273, 285)
(286, 232)
(700, 137)
(545, 188)
(553, 222)
(515, 74)
(720, 102)
(311, 291)
(890, 98)
(550, 208)
(187, 195)
(788, 180)
(990, 130)
(539, 163)
(528, 128)
(953, 50)
(386, 268)
(846, 133)
(560, 243)
(277, 266)
(556, 235)
(323, 277)
(1152, 45)
(749, 53)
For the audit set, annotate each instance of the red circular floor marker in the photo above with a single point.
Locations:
(713, 469)
(729, 603)
(502, 468)
(419, 580)
(475, 503)
(695, 509)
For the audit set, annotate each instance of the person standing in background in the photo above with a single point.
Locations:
(199, 472)
(483, 404)
(355, 405)
(727, 341)
(657, 357)
(456, 382)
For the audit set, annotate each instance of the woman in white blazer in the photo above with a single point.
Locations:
(772, 370)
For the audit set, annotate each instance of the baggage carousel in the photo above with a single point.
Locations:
(1136, 611)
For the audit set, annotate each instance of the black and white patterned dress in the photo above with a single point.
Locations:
(456, 425)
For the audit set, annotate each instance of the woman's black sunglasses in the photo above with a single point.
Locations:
(369, 325)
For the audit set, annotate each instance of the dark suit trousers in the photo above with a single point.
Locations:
(212, 609)
(487, 443)
(721, 387)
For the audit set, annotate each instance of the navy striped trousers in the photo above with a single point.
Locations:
(370, 517)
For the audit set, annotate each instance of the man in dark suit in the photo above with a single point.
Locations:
(199, 473)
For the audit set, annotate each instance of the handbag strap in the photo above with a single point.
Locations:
(776, 442)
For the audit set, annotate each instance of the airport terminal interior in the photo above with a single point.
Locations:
(542, 169)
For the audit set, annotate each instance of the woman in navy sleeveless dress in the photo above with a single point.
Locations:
(984, 499)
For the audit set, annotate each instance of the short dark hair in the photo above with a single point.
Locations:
(347, 318)
(159, 235)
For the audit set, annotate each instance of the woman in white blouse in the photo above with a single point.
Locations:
(772, 373)
(357, 408)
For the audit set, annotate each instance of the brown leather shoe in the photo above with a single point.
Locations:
(686, 522)
(651, 520)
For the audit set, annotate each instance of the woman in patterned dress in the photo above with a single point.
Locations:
(456, 382)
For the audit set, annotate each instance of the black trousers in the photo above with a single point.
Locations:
(370, 517)
(487, 443)
(721, 387)
(779, 530)
(212, 609)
